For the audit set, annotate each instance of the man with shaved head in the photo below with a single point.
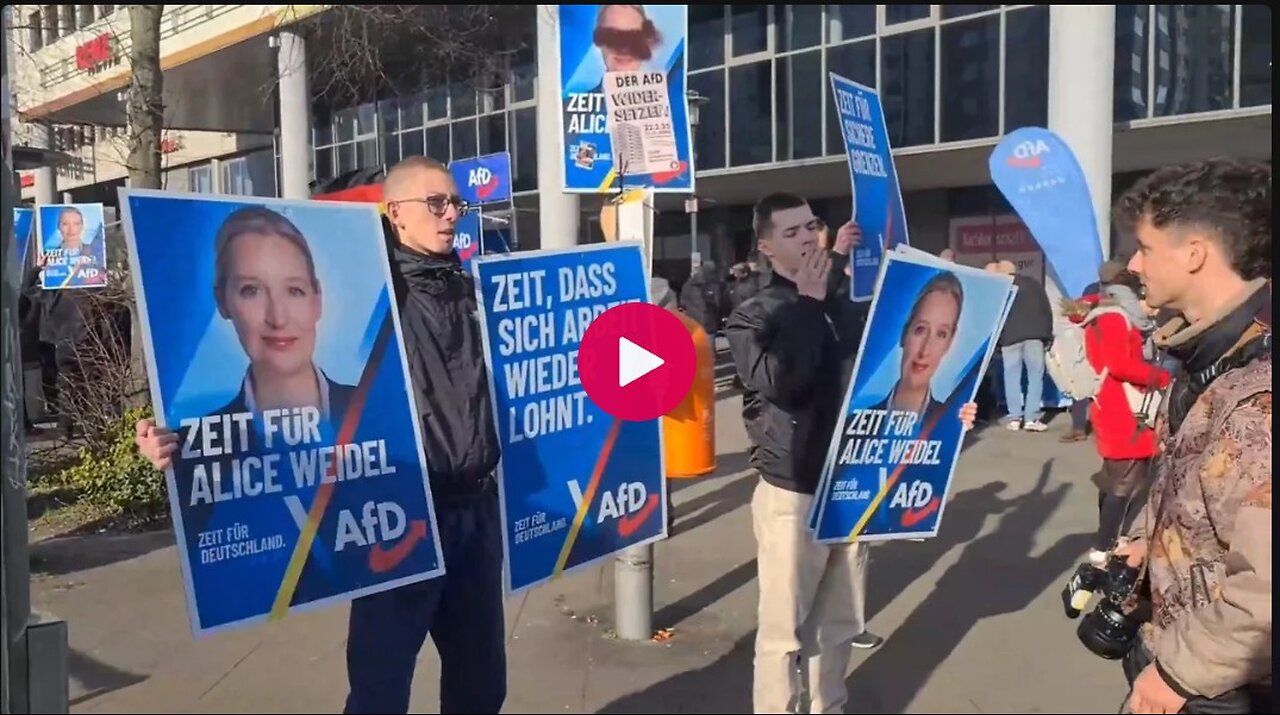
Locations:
(462, 610)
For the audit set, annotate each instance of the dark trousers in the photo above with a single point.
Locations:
(462, 612)
(1080, 415)
(1249, 699)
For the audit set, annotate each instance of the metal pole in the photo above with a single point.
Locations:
(633, 589)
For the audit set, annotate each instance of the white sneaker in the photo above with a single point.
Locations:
(1035, 426)
(1097, 558)
(1013, 425)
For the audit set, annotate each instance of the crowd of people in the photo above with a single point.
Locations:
(1184, 492)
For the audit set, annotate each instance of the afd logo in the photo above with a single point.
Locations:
(465, 244)
(484, 181)
(630, 506)
(1026, 155)
(916, 500)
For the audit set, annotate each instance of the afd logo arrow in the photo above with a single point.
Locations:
(631, 505)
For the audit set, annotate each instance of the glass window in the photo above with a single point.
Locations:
(706, 36)
(462, 100)
(410, 111)
(524, 73)
(324, 164)
(906, 87)
(750, 26)
(346, 158)
(68, 19)
(35, 40)
(708, 135)
(438, 142)
(856, 61)
(524, 150)
(50, 24)
(200, 178)
(1026, 68)
(106, 10)
(950, 11)
(799, 117)
(344, 125)
(86, 15)
(1194, 46)
(970, 79)
(1255, 56)
(411, 143)
(1133, 53)
(391, 148)
(798, 26)
(367, 154)
(750, 114)
(437, 103)
(849, 22)
(389, 115)
(464, 140)
(897, 14)
(322, 129)
(493, 133)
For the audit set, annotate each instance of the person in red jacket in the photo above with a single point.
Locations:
(1114, 336)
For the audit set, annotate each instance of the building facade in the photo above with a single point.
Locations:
(1131, 87)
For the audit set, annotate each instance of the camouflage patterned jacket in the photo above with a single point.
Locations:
(1208, 520)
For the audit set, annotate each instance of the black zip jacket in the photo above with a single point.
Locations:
(446, 364)
(794, 356)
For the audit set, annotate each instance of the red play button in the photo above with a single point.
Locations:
(636, 361)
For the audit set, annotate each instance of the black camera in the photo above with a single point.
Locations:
(1107, 631)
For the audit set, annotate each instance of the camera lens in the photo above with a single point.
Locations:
(1107, 632)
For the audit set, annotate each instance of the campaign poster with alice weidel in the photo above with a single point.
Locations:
(877, 197)
(576, 484)
(274, 352)
(930, 334)
(624, 113)
(73, 246)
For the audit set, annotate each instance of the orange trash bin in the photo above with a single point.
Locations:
(689, 431)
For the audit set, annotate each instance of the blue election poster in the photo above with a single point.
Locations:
(576, 484)
(877, 197)
(484, 179)
(274, 351)
(24, 221)
(467, 240)
(1040, 177)
(595, 39)
(931, 332)
(73, 246)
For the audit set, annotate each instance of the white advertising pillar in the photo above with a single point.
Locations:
(558, 214)
(1081, 87)
(295, 116)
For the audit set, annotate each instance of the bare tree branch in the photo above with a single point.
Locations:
(368, 51)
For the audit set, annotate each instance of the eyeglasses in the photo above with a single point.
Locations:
(438, 204)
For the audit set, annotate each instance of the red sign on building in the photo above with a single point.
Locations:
(95, 52)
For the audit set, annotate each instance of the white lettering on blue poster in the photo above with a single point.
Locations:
(877, 197)
(930, 335)
(576, 484)
(274, 352)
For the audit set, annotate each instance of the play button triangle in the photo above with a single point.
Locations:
(634, 362)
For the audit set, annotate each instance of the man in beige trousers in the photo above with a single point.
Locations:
(793, 346)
